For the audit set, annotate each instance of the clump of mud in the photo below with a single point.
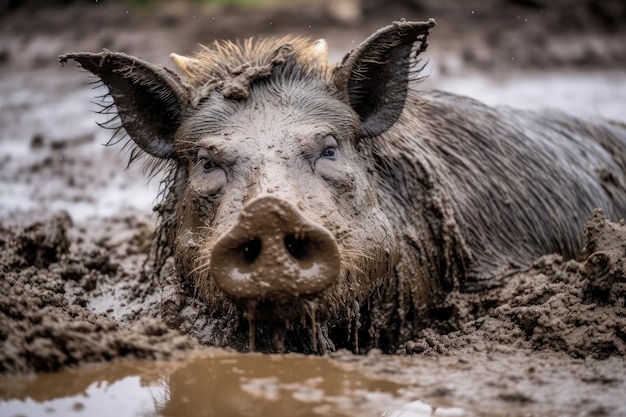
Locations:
(575, 307)
(52, 286)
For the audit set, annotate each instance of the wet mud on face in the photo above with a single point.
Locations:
(74, 292)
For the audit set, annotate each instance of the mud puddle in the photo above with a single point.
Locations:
(219, 384)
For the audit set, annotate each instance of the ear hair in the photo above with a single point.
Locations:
(150, 99)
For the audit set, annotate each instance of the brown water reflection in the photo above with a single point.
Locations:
(215, 384)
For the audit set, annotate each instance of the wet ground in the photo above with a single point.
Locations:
(226, 384)
(73, 295)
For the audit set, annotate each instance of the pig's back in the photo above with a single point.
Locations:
(522, 183)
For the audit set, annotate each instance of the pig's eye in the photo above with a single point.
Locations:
(329, 153)
(208, 178)
(209, 165)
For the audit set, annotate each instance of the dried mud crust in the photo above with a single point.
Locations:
(51, 284)
(564, 306)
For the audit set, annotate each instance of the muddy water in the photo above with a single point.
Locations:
(217, 384)
(220, 383)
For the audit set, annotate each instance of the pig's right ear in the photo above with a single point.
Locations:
(375, 76)
(150, 99)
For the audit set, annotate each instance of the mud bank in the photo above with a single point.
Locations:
(70, 297)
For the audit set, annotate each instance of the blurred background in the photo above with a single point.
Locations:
(564, 54)
(517, 33)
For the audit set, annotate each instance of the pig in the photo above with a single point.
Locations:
(310, 207)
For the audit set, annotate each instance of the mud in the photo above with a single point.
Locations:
(264, 388)
(75, 231)
(54, 286)
(561, 306)
(56, 282)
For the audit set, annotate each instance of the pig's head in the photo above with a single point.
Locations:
(270, 211)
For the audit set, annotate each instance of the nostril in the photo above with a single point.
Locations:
(299, 248)
(250, 250)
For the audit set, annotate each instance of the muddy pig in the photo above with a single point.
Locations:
(310, 207)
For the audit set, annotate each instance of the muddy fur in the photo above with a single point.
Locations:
(526, 174)
(232, 67)
(425, 192)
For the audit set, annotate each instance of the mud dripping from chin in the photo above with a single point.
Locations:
(251, 317)
(278, 330)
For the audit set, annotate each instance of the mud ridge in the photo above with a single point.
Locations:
(574, 307)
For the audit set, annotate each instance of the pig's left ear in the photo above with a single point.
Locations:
(374, 77)
(150, 99)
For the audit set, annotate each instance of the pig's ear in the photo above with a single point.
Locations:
(374, 77)
(150, 99)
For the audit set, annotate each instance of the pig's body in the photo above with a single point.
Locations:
(518, 184)
(311, 207)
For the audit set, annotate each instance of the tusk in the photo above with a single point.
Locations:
(319, 51)
(188, 66)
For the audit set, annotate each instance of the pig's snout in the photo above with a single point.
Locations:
(274, 251)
